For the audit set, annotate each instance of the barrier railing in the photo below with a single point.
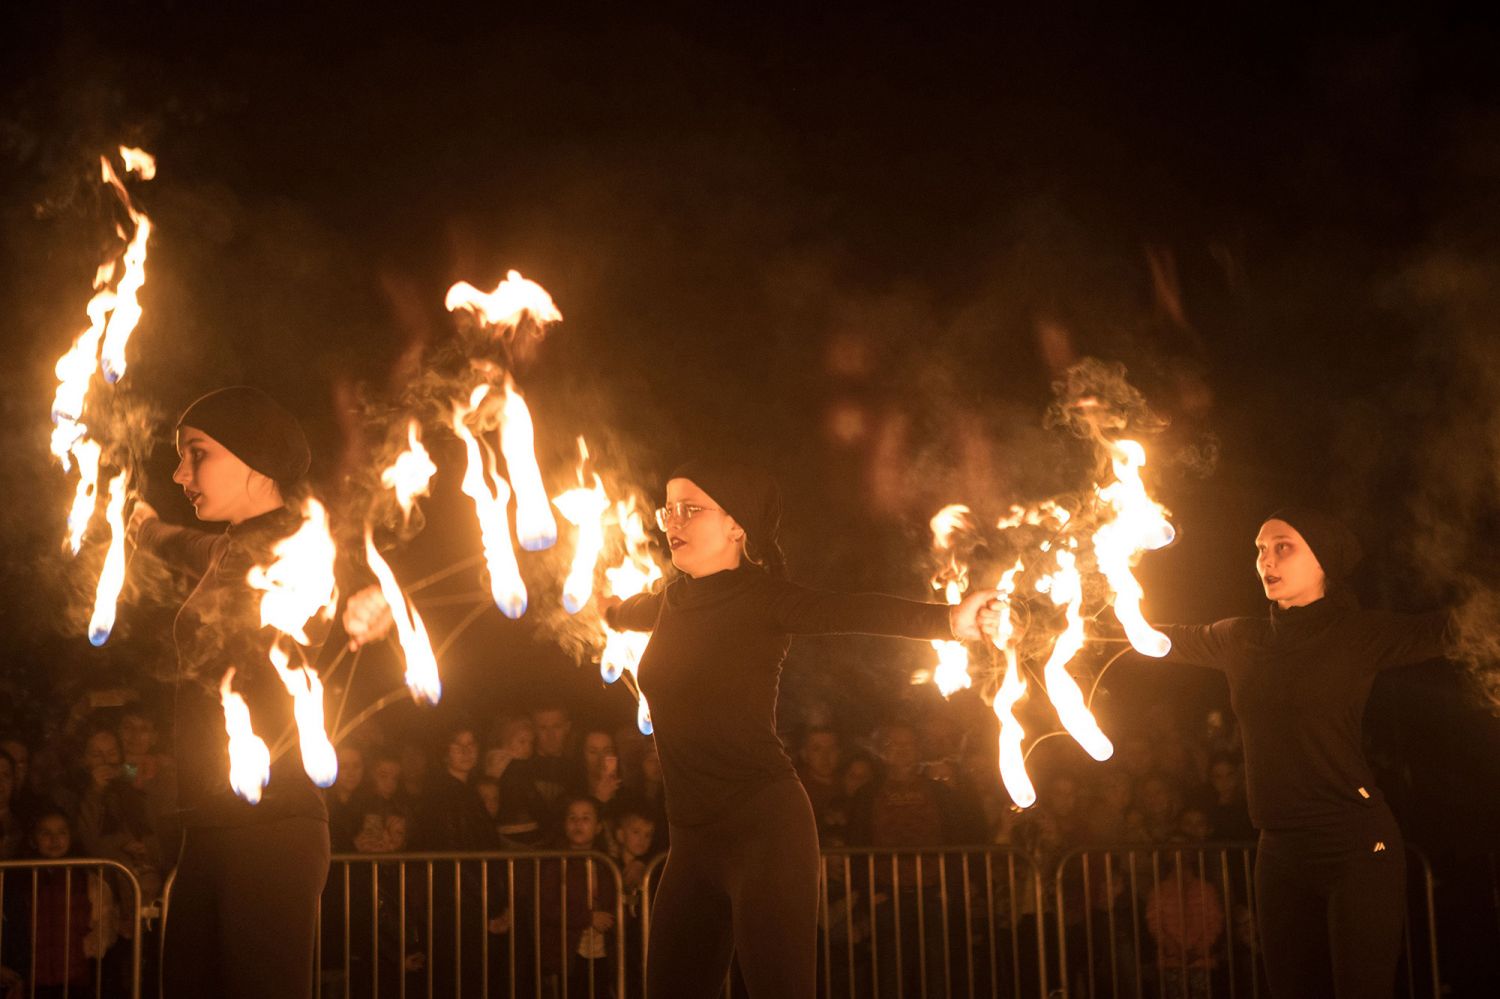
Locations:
(475, 924)
(69, 927)
(1180, 921)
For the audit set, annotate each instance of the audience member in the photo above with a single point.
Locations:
(1229, 811)
(818, 766)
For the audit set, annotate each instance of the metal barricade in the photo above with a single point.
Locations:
(1180, 921)
(63, 924)
(920, 923)
(473, 924)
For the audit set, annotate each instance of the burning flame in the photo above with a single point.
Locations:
(421, 665)
(490, 494)
(1066, 588)
(299, 584)
(504, 308)
(249, 758)
(409, 475)
(535, 527)
(584, 508)
(127, 311)
(112, 576)
(319, 760)
(636, 573)
(1012, 687)
(952, 673)
(1138, 524)
(86, 495)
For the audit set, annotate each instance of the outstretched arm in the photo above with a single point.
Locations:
(183, 547)
(800, 610)
(1402, 639)
(1201, 644)
(637, 613)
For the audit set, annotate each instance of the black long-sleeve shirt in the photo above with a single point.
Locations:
(712, 669)
(218, 627)
(1299, 681)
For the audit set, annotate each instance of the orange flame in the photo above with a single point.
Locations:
(1012, 687)
(1065, 587)
(584, 508)
(412, 471)
(505, 307)
(1138, 524)
(491, 494)
(86, 495)
(299, 584)
(636, 573)
(112, 576)
(249, 758)
(952, 673)
(422, 677)
(535, 527)
(319, 760)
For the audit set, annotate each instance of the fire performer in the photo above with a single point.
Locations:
(1330, 875)
(243, 906)
(742, 872)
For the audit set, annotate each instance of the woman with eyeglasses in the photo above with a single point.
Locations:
(742, 871)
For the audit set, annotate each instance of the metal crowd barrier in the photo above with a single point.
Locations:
(42, 900)
(427, 925)
(1180, 921)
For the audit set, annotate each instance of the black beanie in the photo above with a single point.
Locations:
(255, 429)
(750, 496)
(1334, 545)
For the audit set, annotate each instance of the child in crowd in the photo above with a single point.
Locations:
(577, 907)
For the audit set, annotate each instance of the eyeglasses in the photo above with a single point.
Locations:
(680, 513)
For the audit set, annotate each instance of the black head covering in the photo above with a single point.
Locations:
(751, 497)
(1333, 544)
(255, 429)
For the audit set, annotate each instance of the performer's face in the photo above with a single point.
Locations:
(1289, 571)
(220, 486)
(706, 542)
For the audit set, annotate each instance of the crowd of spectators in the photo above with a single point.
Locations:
(537, 780)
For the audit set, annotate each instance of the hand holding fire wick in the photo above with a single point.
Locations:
(976, 616)
(367, 617)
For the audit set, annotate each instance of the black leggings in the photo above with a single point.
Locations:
(746, 884)
(1332, 906)
(243, 913)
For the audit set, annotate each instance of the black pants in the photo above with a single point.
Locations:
(746, 884)
(243, 913)
(1331, 908)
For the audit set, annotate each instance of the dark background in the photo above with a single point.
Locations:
(857, 248)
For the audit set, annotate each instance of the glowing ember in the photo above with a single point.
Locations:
(1065, 588)
(535, 527)
(299, 584)
(584, 508)
(416, 648)
(1138, 524)
(412, 471)
(1012, 687)
(490, 494)
(505, 307)
(85, 496)
(112, 576)
(319, 760)
(249, 758)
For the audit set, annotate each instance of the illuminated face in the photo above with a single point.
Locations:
(581, 825)
(53, 838)
(597, 746)
(898, 747)
(138, 734)
(463, 752)
(707, 542)
(1288, 569)
(220, 486)
(351, 766)
(820, 752)
(634, 835)
(520, 741)
(552, 728)
(386, 778)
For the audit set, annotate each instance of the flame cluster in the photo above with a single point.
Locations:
(1116, 523)
(97, 359)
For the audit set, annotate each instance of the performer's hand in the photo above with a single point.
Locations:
(367, 617)
(976, 617)
(603, 602)
(142, 513)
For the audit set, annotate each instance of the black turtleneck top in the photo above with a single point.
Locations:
(218, 627)
(711, 670)
(1299, 680)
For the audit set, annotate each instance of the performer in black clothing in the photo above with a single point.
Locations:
(1330, 878)
(242, 909)
(742, 870)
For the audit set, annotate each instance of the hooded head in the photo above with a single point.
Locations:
(242, 454)
(738, 517)
(1303, 554)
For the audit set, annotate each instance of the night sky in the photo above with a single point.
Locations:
(857, 250)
